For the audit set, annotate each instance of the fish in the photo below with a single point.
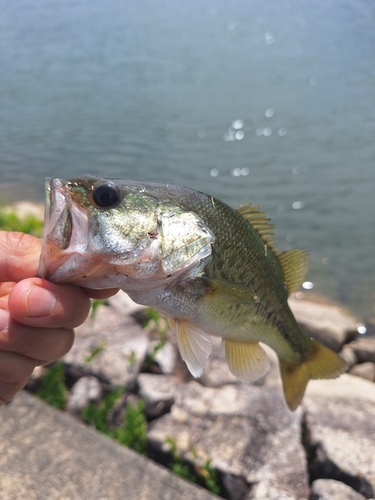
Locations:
(212, 270)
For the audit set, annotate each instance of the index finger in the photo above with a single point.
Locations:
(19, 256)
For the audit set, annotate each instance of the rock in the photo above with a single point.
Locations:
(86, 390)
(340, 439)
(364, 349)
(246, 431)
(345, 388)
(124, 305)
(235, 486)
(165, 357)
(158, 391)
(25, 208)
(330, 324)
(329, 489)
(216, 371)
(119, 366)
(364, 370)
(266, 490)
(348, 355)
(370, 325)
(34, 382)
(47, 455)
(121, 346)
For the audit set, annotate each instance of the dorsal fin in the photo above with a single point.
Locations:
(294, 264)
(260, 223)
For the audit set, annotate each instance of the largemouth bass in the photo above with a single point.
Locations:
(210, 269)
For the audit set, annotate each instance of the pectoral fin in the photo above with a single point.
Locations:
(226, 291)
(195, 346)
(246, 360)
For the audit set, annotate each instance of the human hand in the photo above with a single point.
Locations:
(36, 317)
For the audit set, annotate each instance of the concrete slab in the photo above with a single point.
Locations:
(46, 454)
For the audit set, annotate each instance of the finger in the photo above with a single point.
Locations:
(19, 256)
(37, 302)
(15, 370)
(5, 289)
(41, 344)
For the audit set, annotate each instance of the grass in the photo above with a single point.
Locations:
(204, 474)
(11, 221)
(132, 433)
(53, 389)
(97, 414)
(94, 352)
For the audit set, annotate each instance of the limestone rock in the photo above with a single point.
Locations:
(348, 355)
(165, 357)
(34, 382)
(364, 370)
(364, 349)
(25, 208)
(216, 371)
(345, 388)
(246, 431)
(331, 325)
(47, 455)
(158, 391)
(329, 489)
(267, 490)
(86, 390)
(340, 437)
(121, 347)
(124, 304)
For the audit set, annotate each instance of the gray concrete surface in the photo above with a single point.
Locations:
(46, 454)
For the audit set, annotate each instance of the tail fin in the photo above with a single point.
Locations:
(321, 363)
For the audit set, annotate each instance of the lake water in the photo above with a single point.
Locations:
(264, 101)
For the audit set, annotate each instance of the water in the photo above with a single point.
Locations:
(267, 101)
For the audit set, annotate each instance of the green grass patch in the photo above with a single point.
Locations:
(204, 475)
(11, 221)
(53, 389)
(132, 433)
(97, 414)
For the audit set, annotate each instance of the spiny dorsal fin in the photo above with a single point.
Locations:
(260, 223)
(294, 264)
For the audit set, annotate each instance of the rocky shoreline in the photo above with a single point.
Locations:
(243, 434)
(257, 448)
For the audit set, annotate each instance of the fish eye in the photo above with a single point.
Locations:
(106, 195)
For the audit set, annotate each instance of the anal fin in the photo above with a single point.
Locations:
(246, 360)
(195, 346)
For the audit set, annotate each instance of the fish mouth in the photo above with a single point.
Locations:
(58, 220)
(58, 225)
